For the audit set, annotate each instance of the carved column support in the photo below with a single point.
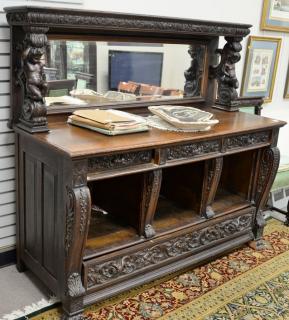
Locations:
(31, 78)
(151, 189)
(269, 163)
(226, 75)
(78, 210)
(213, 170)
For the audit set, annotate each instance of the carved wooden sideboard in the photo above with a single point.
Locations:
(97, 215)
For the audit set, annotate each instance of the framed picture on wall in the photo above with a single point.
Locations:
(275, 15)
(260, 67)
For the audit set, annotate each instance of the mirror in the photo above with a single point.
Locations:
(97, 73)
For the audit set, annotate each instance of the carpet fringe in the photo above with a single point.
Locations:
(43, 303)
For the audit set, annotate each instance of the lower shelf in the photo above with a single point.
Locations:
(226, 202)
(170, 216)
(108, 233)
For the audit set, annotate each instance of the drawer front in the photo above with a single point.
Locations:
(192, 150)
(118, 161)
(247, 140)
(99, 272)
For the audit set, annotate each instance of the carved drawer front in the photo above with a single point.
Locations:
(191, 150)
(118, 161)
(247, 140)
(152, 255)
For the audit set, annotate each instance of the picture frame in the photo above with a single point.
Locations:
(275, 15)
(260, 68)
(286, 89)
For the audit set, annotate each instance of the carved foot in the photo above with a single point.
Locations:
(209, 212)
(149, 231)
(257, 244)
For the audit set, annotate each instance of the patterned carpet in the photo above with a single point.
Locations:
(244, 285)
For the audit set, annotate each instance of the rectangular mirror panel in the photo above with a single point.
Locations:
(97, 73)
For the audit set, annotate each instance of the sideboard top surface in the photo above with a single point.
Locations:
(56, 18)
(79, 142)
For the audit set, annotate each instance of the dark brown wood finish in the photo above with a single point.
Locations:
(30, 27)
(97, 215)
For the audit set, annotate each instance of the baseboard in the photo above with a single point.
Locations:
(279, 198)
(7, 257)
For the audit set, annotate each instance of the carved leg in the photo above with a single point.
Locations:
(269, 162)
(73, 309)
(213, 170)
(78, 211)
(151, 190)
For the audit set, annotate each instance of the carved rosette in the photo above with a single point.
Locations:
(129, 264)
(193, 149)
(226, 75)
(30, 76)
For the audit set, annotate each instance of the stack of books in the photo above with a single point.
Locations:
(109, 122)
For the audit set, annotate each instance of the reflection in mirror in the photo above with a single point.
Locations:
(88, 72)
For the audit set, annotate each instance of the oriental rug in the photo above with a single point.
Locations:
(245, 284)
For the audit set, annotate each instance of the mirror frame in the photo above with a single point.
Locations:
(30, 27)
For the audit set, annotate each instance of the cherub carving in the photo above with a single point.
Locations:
(225, 72)
(36, 86)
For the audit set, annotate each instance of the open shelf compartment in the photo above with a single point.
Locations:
(234, 192)
(180, 197)
(115, 213)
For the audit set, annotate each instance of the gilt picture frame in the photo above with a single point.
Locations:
(275, 15)
(260, 68)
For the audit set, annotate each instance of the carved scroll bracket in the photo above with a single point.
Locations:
(78, 210)
(78, 205)
(226, 75)
(213, 170)
(151, 190)
(30, 76)
(269, 163)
